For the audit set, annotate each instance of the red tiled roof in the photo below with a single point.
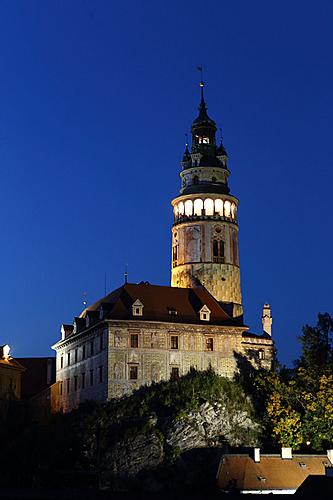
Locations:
(158, 301)
(271, 473)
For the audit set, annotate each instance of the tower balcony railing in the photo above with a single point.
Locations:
(216, 217)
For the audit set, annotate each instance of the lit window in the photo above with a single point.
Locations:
(219, 206)
(174, 373)
(174, 342)
(198, 206)
(134, 340)
(133, 372)
(209, 344)
(188, 208)
(209, 206)
(227, 208)
(181, 208)
(261, 354)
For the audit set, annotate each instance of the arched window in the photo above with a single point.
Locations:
(181, 208)
(219, 206)
(227, 206)
(233, 210)
(209, 206)
(188, 208)
(198, 206)
(175, 210)
(195, 180)
(218, 251)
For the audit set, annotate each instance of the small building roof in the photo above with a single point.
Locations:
(240, 472)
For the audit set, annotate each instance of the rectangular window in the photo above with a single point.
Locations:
(75, 355)
(100, 371)
(61, 362)
(92, 348)
(68, 386)
(209, 344)
(174, 373)
(60, 388)
(261, 354)
(91, 377)
(174, 255)
(174, 342)
(83, 352)
(83, 380)
(101, 343)
(133, 372)
(218, 251)
(68, 358)
(75, 383)
(134, 340)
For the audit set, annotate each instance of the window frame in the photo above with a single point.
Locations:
(133, 370)
(174, 342)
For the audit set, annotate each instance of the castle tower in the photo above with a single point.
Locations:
(205, 229)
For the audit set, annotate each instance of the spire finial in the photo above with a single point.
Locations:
(126, 274)
(202, 83)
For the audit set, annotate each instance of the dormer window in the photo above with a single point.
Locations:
(137, 308)
(172, 311)
(204, 313)
(203, 139)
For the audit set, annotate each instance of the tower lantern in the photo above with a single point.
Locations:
(205, 229)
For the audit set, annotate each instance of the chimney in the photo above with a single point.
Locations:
(256, 455)
(286, 453)
(267, 319)
(330, 456)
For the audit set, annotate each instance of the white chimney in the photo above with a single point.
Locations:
(330, 456)
(257, 455)
(267, 319)
(286, 453)
(63, 332)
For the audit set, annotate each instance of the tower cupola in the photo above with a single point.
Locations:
(203, 129)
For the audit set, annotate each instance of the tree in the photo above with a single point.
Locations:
(317, 345)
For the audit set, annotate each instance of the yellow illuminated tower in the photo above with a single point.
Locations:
(205, 229)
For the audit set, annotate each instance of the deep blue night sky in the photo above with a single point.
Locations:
(95, 100)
